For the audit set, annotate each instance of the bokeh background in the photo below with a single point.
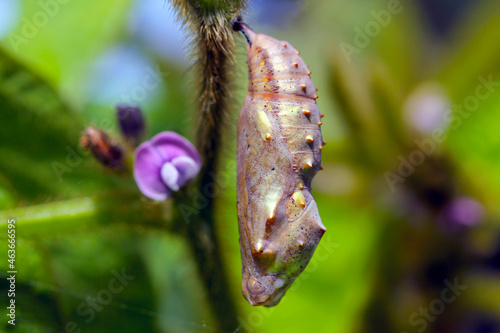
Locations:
(409, 194)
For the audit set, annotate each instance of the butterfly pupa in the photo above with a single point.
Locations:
(278, 154)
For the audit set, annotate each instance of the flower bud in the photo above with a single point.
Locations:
(165, 164)
(101, 147)
(131, 121)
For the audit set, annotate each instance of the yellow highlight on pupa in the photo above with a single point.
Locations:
(299, 198)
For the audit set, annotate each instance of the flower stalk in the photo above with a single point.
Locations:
(210, 22)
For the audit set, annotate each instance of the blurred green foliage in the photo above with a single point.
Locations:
(78, 223)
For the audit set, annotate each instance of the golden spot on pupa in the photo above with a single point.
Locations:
(309, 73)
(324, 142)
(303, 87)
(322, 115)
(300, 243)
(320, 148)
(309, 139)
(308, 165)
(262, 63)
(307, 112)
(265, 79)
(320, 123)
(268, 136)
(258, 247)
(315, 96)
(295, 64)
(321, 168)
(299, 199)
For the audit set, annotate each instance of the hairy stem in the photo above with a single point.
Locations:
(210, 23)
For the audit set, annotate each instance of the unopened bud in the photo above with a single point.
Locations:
(131, 121)
(101, 147)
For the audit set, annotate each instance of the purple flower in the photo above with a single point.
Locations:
(131, 121)
(165, 164)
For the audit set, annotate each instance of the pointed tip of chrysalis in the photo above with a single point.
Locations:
(240, 25)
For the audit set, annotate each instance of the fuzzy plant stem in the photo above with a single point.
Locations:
(210, 21)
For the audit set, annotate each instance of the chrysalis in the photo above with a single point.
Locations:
(279, 152)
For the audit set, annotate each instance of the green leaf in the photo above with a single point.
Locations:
(63, 46)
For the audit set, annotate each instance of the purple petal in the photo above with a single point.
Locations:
(171, 145)
(147, 166)
(170, 176)
(187, 167)
(164, 164)
(464, 211)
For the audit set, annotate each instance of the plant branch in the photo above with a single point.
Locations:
(210, 23)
